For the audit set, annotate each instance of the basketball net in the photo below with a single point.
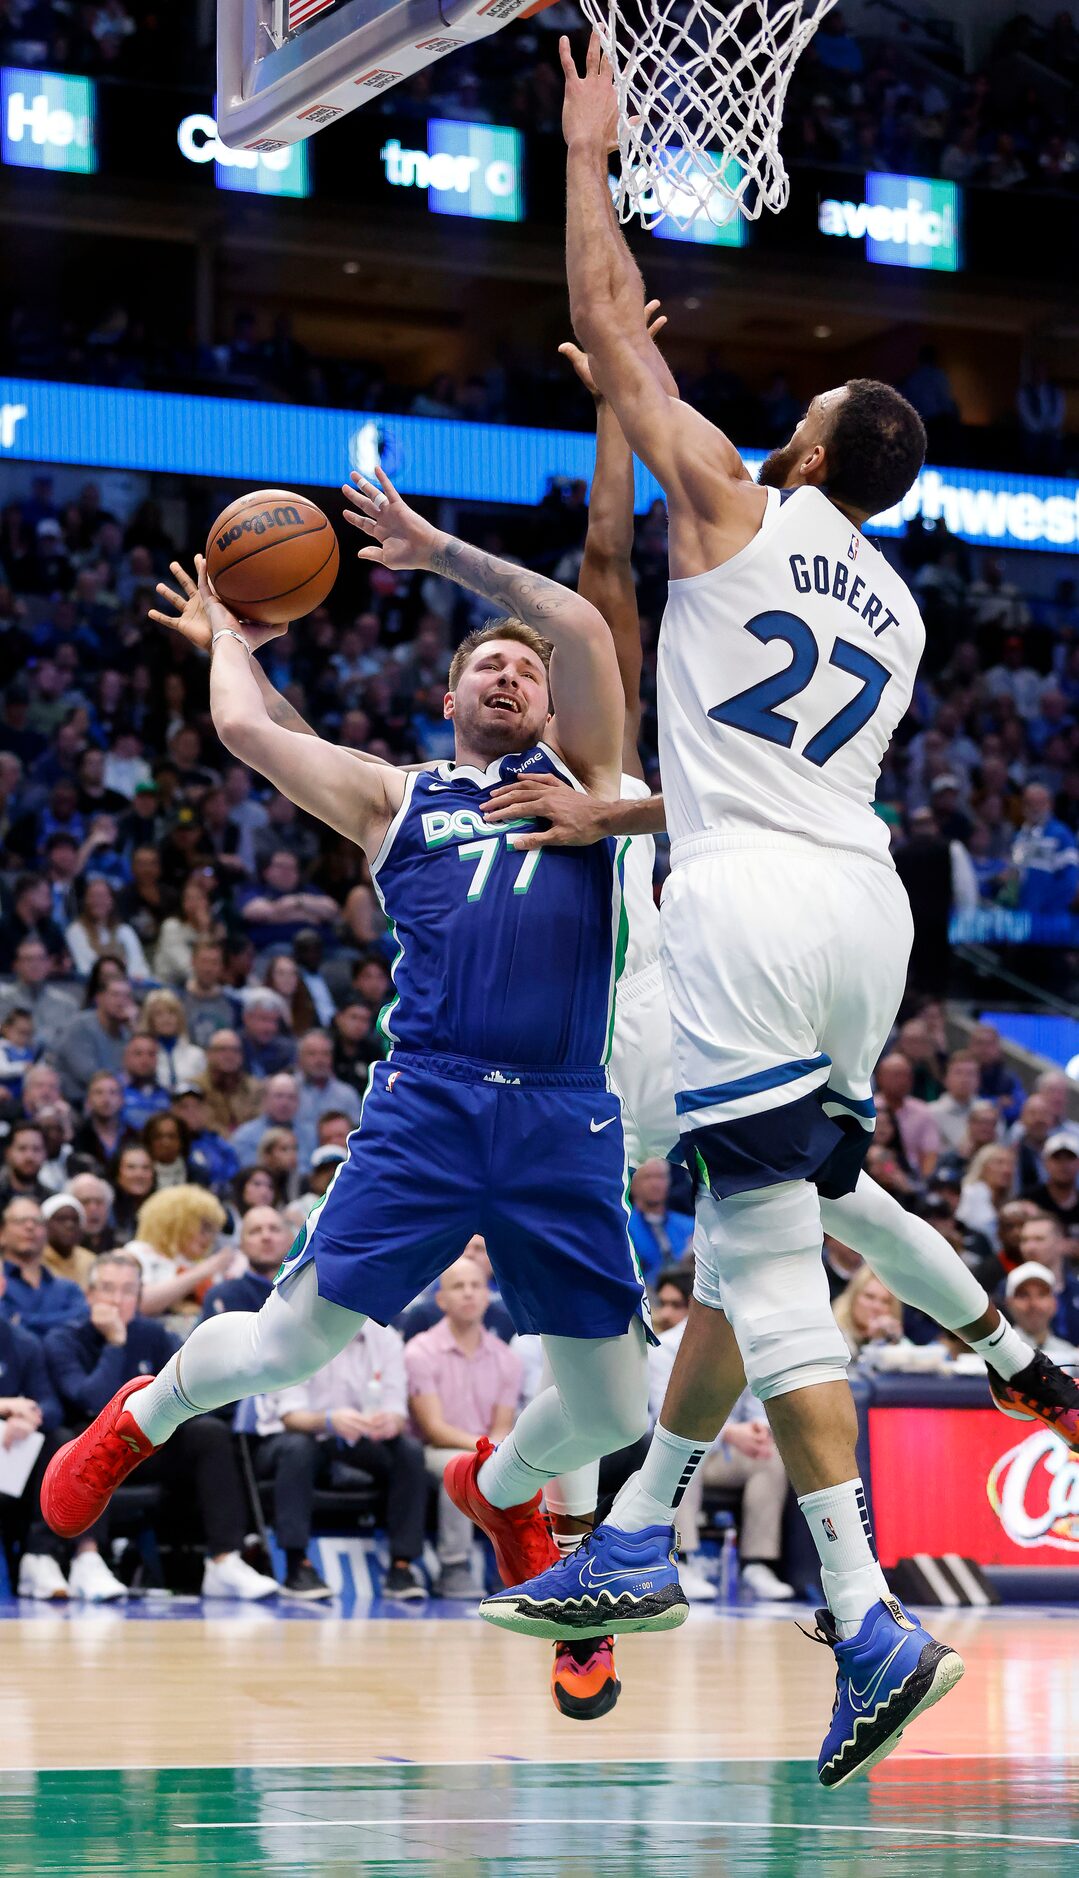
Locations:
(701, 87)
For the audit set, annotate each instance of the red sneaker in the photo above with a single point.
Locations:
(81, 1479)
(523, 1545)
(584, 1682)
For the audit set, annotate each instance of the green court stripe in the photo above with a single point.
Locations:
(608, 1825)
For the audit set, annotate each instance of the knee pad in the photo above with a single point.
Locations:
(763, 1261)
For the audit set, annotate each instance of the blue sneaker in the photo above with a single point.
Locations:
(889, 1672)
(614, 1582)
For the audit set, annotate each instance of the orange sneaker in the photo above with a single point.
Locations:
(584, 1682)
(520, 1536)
(82, 1477)
(1042, 1392)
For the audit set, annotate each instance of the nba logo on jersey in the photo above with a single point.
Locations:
(391, 1079)
(852, 550)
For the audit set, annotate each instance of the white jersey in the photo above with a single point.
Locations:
(782, 676)
(638, 894)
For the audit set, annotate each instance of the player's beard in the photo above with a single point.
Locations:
(490, 735)
(777, 467)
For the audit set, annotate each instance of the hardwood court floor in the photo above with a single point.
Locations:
(245, 1743)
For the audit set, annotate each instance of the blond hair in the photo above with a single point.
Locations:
(161, 1000)
(514, 629)
(975, 1170)
(169, 1218)
(843, 1306)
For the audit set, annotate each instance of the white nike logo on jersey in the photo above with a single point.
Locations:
(596, 1128)
(435, 786)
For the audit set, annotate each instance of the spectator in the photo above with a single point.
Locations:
(1058, 1194)
(255, 1186)
(180, 933)
(280, 908)
(57, 1124)
(175, 1232)
(660, 1237)
(267, 1047)
(90, 1361)
(279, 1154)
(1045, 859)
(918, 1043)
(232, 1096)
(1012, 1221)
(288, 1459)
(96, 1038)
(29, 918)
(357, 1409)
(988, 1185)
(319, 1089)
(132, 1176)
(24, 1157)
(1031, 1294)
(323, 1166)
(868, 1314)
(40, 1089)
(32, 1407)
(463, 1386)
(307, 951)
(983, 1127)
(951, 1111)
(16, 1051)
(64, 1255)
(34, 1297)
(211, 1158)
(917, 1131)
(95, 1197)
(98, 930)
(207, 1006)
(1028, 1136)
(167, 1142)
(178, 1059)
(28, 988)
(103, 1130)
(280, 1104)
(425, 1311)
(996, 1082)
(1052, 1085)
(143, 1094)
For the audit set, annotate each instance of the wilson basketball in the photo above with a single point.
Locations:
(272, 556)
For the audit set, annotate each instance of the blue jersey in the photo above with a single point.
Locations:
(503, 958)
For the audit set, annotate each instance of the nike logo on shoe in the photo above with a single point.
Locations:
(860, 1699)
(596, 1128)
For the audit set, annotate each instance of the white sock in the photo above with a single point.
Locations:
(506, 1479)
(568, 1542)
(1004, 1350)
(838, 1519)
(162, 1407)
(651, 1497)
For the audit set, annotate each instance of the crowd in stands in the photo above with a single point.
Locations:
(190, 979)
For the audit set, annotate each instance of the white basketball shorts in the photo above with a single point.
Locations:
(785, 963)
(641, 1067)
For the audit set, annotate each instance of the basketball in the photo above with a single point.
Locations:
(272, 556)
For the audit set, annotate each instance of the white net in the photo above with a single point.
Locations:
(701, 87)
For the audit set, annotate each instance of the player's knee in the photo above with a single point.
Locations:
(781, 1355)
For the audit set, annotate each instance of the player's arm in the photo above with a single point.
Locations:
(693, 460)
(359, 800)
(573, 820)
(606, 576)
(585, 685)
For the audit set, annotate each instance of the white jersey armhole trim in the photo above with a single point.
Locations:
(394, 828)
(563, 768)
(772, 512)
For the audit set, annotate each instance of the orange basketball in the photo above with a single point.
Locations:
(272, 556)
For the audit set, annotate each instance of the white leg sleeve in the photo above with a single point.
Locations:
(245, 1353)
(912, 1259)
(762, 1257)
(575, 1494)
(597, 1403)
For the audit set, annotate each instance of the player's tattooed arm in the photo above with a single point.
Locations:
(585, 686)
(573, 819)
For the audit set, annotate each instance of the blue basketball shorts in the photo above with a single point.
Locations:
(532, 1159)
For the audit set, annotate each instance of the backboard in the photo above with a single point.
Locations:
(287, 67)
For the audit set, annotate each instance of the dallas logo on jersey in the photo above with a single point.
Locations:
(444, 825)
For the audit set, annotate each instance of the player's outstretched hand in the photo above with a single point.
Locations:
(590, 110)
(404, 539)
(573, 820)
(582, 364)
(190, 616)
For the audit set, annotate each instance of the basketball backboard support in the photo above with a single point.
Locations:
(287, 67)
